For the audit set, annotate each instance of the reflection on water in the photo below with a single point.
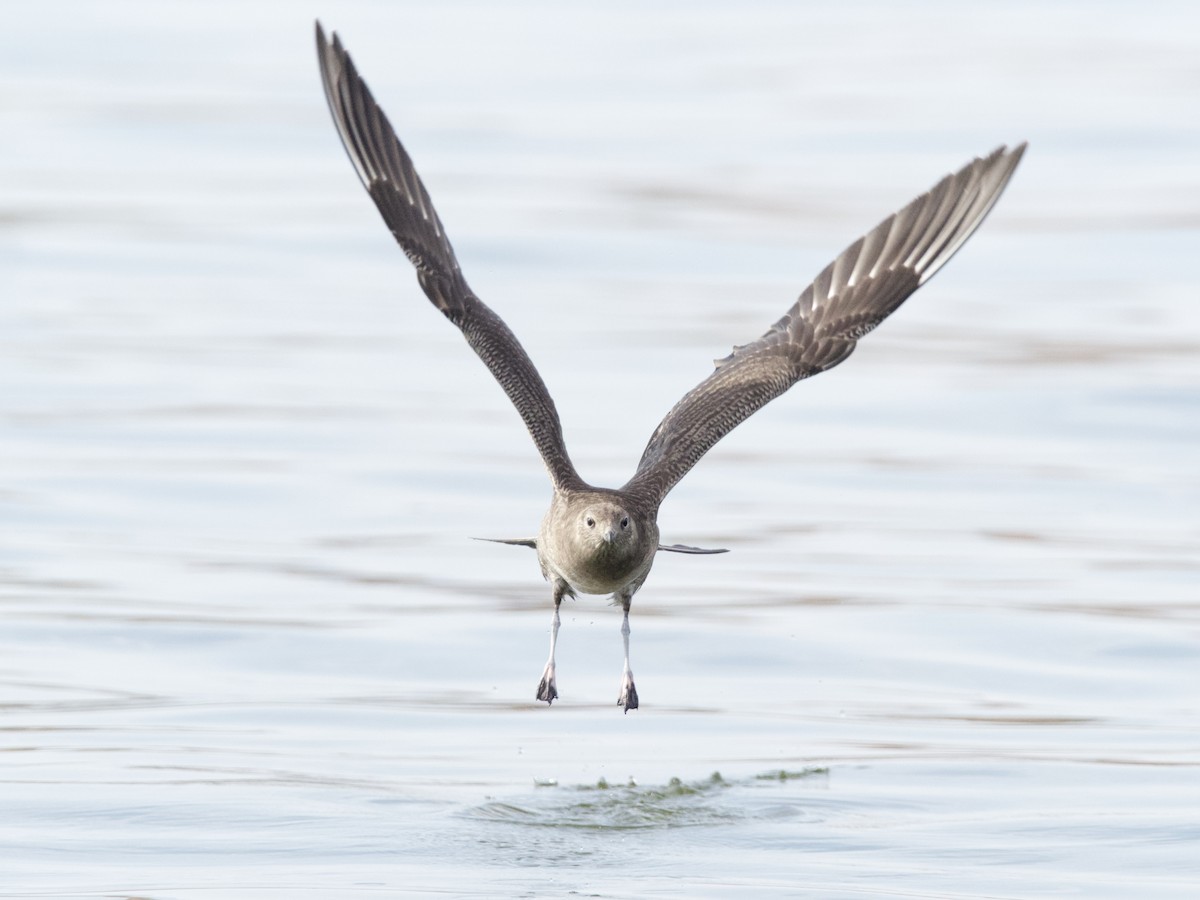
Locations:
(248, 647)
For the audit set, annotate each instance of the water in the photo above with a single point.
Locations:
(247, 647)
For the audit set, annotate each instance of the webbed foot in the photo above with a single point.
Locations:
(547, 690)
(629, 698)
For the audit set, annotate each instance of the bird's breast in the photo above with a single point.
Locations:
(597, 572)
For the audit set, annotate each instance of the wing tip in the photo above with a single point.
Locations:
(516, 542)
(698, 551)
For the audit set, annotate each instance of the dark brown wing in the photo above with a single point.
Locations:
(387, 173)
(856, 292)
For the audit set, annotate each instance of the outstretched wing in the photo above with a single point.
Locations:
(856, 292)
(387, 173)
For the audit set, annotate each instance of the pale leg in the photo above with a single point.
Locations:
(547, 690)
(629, 698)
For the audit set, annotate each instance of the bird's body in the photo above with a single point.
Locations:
(599, 540)
(595, 541)
(606, 550)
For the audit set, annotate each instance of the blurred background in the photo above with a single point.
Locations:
(247, 647)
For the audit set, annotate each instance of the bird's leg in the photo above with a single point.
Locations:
(547, 689)
(628, 699)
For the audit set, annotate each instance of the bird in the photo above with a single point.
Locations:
(596, 540)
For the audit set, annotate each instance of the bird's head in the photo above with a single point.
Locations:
(606, 528)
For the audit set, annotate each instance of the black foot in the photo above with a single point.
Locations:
(628, 699)
(547, 690)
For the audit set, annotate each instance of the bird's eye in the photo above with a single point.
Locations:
(591, 523)
(625, 522)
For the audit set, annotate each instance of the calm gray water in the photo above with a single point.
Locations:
(247, 647)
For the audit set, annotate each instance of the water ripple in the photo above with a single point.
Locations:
(618, 807)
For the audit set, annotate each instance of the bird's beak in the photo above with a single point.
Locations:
(609, 535)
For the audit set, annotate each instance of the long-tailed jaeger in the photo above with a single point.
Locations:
(603, 540)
